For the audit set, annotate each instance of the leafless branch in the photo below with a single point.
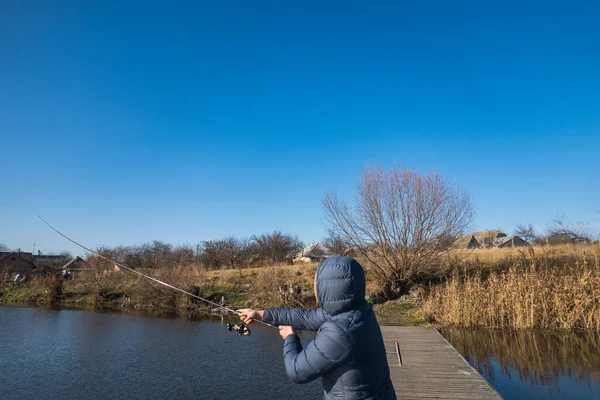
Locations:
(400, 221)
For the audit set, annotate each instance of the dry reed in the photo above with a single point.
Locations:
(555, 290)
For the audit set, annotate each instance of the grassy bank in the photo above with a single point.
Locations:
(284, 286)
(38, 291)
(281, 286)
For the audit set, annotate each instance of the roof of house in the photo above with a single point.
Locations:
(462, 242)
(22, 254)
(49, 260)
(503, 240)
(315, 250)
(482, 237)
(76, 259)
(487, 235)
(50, 256)
(18, 255)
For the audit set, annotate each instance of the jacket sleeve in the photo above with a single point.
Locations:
(299, 318)
(329, 349)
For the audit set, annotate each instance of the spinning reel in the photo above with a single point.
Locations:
(241, 328)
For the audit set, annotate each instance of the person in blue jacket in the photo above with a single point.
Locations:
(348, 353)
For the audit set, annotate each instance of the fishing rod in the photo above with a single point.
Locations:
(241, 327)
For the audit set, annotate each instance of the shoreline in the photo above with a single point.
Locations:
(391, 313)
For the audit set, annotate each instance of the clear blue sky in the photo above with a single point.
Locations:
(123, 122)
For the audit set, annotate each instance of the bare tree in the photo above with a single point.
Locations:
(67, 255)
(561, 231)
(183, 256)
(210, 255)
(236, 252)
(4, 247)
(277, 247)
(397, 220)
(527, 232)
(156, 254)
(337, 244)
(100, 276)
(231, 252)
(134, 258)
(120, 254)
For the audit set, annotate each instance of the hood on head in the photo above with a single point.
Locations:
(340, 284)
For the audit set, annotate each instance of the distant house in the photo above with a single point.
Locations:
(487, 239)
(74, 267)
(49, 261)
(466, 242)
(509, 241)
(15, 264)
(313, 253)
(24, 255)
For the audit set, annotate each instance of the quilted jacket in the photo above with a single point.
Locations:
(348, 353)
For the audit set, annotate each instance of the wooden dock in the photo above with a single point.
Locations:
(431, 367)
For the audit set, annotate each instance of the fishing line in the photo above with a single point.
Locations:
(156, 280)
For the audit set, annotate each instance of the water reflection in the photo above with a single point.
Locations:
(558, 360)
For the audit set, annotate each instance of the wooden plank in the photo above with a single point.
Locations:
(431, 367)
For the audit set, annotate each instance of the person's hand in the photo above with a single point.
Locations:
(248, 315)
(285, 331)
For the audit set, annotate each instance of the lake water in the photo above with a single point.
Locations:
(47, 354)
(533, 364)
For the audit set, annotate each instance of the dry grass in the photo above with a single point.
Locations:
(284, 287)
(39, 290)
(559, 288)
(51, 286)
(142, 293)
(233, 273)
(543, 256)
(100, 286)
(281, 286)
(5, 279)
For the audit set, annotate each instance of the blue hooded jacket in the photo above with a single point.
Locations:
(348, 352)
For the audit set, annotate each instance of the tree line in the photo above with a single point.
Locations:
(231, 252)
